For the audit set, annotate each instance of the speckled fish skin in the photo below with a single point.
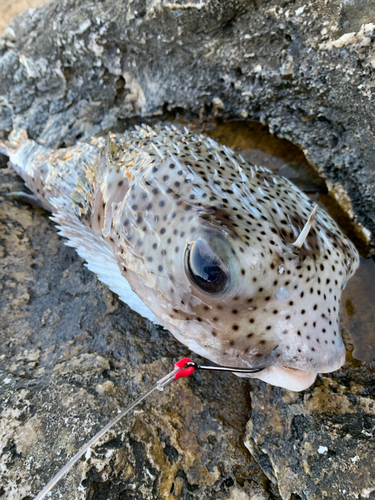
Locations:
(134, 204)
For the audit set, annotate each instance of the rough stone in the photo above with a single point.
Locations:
(305, 68)
(318, 444)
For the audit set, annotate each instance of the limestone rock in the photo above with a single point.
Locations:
(318, 444)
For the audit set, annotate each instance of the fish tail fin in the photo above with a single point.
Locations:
(49, 174)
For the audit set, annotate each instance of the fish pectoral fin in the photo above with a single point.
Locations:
(98, 254)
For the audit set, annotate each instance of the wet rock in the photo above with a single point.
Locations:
(304, 68)
(318, 444)
(72, 354)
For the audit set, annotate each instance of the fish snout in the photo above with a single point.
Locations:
(312, 354)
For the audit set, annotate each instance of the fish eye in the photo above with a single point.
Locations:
(205, 269)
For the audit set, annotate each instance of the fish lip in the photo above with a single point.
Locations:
(289, 368)
(295, 379)
(286, 377)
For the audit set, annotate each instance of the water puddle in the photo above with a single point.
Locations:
(258, 146)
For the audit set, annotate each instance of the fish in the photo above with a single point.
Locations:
(232, 259)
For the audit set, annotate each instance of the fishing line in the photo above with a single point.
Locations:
(182, 368)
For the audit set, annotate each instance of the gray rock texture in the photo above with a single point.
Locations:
(305, 68)
(318, 444)
(72, 354)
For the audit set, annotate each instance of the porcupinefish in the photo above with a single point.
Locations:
(192, 236)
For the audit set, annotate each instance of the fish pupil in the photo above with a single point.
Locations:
(205, 269)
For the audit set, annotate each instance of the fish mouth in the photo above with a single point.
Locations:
(295, 379)
(288, 378)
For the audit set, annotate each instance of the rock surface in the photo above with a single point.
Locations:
(72, 354)
(305, 68)
(12, 8)
(318, 444)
